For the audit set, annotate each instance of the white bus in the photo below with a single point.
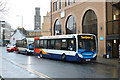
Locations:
(75, 47)
(25, 46)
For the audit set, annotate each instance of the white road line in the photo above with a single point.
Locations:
(28, 69)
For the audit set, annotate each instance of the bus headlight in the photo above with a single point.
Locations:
(94, 55)
(80, 55)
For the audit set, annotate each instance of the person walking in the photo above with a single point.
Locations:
(109, 49)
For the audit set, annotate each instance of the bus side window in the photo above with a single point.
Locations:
(49, 44)
(58, 44)
(45, 44)
(41, 43)
(52, 44)
(64, 44)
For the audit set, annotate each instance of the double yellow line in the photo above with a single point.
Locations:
(29, 69)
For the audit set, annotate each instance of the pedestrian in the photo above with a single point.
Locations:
(109, 49)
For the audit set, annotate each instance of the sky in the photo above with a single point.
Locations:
(18, 9)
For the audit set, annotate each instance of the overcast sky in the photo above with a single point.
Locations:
(25, 8)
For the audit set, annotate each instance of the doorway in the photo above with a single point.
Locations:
(115, 48)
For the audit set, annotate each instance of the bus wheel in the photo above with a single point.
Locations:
(63, 57)
(41, 56)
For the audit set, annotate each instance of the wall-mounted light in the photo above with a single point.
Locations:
(114, 17)
(63, 32)
(114, 41)
(100, 27)
(78, 30)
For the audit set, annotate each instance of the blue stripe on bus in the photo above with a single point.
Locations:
(68, 57)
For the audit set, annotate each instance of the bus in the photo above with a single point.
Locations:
(25, 46)
(75, 47)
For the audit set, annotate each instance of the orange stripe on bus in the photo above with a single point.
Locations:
(36, 37)
(44, 52)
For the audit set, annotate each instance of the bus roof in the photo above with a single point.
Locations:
(60, 36)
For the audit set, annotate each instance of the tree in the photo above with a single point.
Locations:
(3, 8)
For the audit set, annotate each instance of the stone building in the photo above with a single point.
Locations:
(33, 33)
(99, 18)
(37, 19)
(46, 26)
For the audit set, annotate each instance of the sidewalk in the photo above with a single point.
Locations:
(111, 62)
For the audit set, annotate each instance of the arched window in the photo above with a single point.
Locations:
(71, 25)
(89, 24)
(57, 28)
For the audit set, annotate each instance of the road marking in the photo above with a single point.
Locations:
(28, 69)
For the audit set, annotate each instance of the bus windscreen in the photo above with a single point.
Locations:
(87, 43)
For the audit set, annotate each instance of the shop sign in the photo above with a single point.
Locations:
(101, 38)
(1, 40)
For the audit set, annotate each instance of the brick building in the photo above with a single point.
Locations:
(46, 26)
(99, 18)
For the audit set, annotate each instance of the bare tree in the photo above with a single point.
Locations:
(3, 8)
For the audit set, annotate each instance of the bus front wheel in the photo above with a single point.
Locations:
(41, 55)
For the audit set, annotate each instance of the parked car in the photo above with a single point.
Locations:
(11, 49)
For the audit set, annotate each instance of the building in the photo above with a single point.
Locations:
(0, 35)
(37, 19)
(33, 33)
(46, 26)
(17, 35)
(5, 32)
(99, 18)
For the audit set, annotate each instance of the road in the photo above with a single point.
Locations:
(13, 65)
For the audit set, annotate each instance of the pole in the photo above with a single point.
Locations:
(119, 54)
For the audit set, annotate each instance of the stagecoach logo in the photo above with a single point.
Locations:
(86, 37)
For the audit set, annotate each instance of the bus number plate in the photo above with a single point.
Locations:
(88, 59)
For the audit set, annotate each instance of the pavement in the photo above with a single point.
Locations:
(111, 61)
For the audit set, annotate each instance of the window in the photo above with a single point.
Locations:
(58, 44)
(66, 2)
(57, 27)
(54, 6)
(25, 43)
(71, 25)
(57, 5)
(116, 25)
(89, 24)
(49, 44)
(52, 44)
(64, 44)
(45, 44)
(70, 2)
(109, 27)
(36, 43)
(60, 4)
(19, 43)
(41, 43)
(113, 19)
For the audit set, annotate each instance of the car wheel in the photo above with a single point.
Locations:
(12, 50)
